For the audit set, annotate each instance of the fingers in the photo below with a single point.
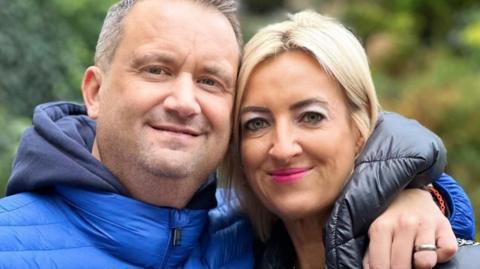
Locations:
(412, 219)
(446, 242)
(365, 262)
(378, 253)
(425, 235)
(403, 240)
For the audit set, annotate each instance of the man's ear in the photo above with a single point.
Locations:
(91, 85)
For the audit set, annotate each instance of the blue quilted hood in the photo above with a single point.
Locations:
(57, 151)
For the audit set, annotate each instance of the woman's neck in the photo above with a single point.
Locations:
(307, 238)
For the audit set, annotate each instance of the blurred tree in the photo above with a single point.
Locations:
(46, 46)
(263, 7)
(11, 128)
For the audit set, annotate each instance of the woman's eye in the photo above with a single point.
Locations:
(312, 117)
(255, 124)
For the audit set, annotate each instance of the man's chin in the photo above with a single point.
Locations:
(170, 165)
(169, 141)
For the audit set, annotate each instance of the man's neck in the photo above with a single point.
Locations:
(152, 189)
(161, 192)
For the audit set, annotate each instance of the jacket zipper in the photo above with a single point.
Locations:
(174, 239)
(177, 236)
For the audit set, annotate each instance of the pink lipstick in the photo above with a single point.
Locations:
(289, 175)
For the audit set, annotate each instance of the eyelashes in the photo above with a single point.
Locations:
(257, 124)
(312, 117)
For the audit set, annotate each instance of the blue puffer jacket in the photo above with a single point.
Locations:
(66, 210)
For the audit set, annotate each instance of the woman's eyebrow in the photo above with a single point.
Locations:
(257, 109)
(308, 102)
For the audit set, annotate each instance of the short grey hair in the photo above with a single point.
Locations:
(340, 54)
(112, 29)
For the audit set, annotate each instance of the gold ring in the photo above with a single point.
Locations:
(425, 247)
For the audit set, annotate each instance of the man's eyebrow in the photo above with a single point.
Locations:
(138, 59)
(307, 102)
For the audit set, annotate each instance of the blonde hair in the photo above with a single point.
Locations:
(341, 55)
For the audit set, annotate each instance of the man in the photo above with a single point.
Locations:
(132, 188)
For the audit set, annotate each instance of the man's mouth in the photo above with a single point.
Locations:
(181, 130)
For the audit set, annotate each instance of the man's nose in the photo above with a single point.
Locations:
(284, 145)
(182, 98)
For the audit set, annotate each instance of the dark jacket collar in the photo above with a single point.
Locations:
(57, 151)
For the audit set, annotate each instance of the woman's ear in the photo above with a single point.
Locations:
(359, 140)
(359, 144)
(91, 85)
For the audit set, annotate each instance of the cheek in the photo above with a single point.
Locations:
(250, 156)
(335, 151)
(137, 93)
(217, 110)
(344, 159)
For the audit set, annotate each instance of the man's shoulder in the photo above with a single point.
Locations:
(36, 221)
(36, 232)
(27, 207)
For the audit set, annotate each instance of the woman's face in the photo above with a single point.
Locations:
(298, 143)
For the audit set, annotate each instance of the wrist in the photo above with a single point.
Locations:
(438, 199)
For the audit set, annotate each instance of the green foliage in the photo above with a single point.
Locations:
(45, 48)
(445, 97)
(11, 131)
(470, 36)
(264, 6)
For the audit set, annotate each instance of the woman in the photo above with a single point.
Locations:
(300, 122)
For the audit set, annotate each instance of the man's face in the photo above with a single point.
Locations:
(164, 105)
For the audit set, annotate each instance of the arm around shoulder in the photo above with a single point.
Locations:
(461, 213)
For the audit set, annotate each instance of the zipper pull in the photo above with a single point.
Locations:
(177, 236)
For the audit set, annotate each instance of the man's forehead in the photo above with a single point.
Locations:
(177, 17)
(150, 30)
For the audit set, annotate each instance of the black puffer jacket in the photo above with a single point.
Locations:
(399, 153)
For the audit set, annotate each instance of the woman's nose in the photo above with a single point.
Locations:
(284, 144)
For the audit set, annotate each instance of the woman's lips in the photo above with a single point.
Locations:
(289, 175)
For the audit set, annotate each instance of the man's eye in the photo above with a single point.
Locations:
(255, 124)
(155, 70)
(312, 117)
(207, 81)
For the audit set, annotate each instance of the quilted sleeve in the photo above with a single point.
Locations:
(461, 212)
